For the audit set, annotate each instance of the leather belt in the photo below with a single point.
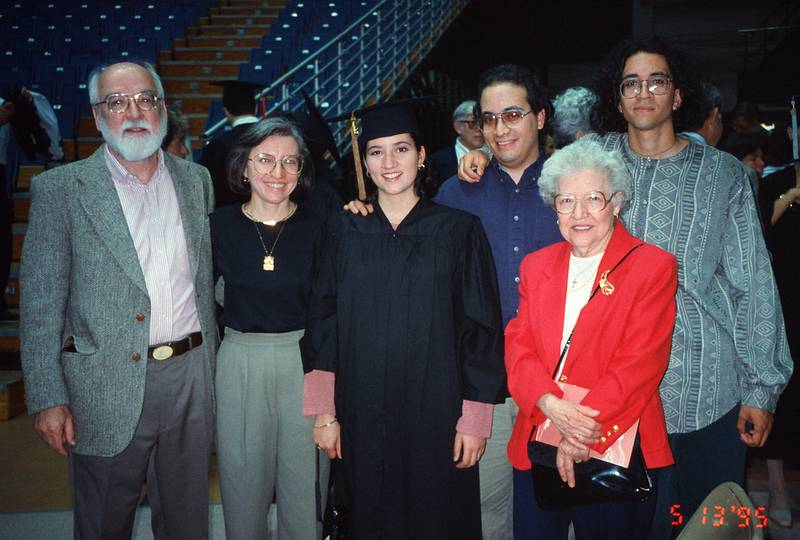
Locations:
(165, 351)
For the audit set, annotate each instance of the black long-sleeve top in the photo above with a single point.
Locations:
(256, 300)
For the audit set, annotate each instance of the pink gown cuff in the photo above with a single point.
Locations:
(318, 393)
(476, 419)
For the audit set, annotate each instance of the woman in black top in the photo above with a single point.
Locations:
(263, 250)
(404, 346)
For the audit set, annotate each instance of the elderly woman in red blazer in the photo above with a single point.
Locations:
(619, 348)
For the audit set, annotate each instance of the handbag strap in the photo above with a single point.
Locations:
(562, 358)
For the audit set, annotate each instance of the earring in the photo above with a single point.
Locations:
(674, 106)
(421, 166)
(366, 171)
(245, 179)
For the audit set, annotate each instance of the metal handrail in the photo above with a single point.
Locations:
(371, 58)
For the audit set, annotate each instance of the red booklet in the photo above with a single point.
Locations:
(618, 453)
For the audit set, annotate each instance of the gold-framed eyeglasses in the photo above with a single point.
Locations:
(658, 86)
(265, 163)
(118, 103)
(488, 120)
(593, 202)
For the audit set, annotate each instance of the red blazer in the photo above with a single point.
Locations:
(619, 349)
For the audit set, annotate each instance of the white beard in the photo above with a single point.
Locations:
(134, 148)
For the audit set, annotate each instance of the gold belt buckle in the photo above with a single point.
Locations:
(163, 352)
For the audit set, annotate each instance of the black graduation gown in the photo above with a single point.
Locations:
(409, 321)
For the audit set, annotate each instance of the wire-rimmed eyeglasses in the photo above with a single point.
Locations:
(658, 86)
(488, 120)
(118, 103)
(593, 202)
(265, 163)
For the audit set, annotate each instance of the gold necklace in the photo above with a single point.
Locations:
(650, 156)
(269, 222)
(269, 261)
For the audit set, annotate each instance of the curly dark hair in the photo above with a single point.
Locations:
(425, 186)
(605, 114)
(538, 97)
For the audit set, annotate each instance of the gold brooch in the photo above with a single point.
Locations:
(605, 286)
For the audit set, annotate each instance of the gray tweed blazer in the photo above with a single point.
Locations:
(80, 277)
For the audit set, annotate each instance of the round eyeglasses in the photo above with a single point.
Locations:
(118, 103)
(658, 86)
(489, 120)
(472, 124)
(265, 163)
(593, 202)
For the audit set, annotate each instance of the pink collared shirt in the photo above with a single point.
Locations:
(154, 221)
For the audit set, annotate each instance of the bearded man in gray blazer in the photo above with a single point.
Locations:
(117, 317)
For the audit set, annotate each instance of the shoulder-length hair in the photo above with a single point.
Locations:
(255, 135)
(605, 115)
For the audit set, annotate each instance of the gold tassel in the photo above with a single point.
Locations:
(362, 192)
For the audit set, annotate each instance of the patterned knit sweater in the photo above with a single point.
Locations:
(729, 344)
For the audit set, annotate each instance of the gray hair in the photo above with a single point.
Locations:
(93, 82)
(571, 114)
(585, 155)
(466, 108)
(710, 97)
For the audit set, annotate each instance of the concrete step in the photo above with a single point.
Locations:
(193, 103)
(220, 69)
(244, 11)
(238, 20)
(190, 85)
(17, 238)
(228, 30)
(26, 172)
(240, 54)
(217, 41)
(22, 205)
(86, 128)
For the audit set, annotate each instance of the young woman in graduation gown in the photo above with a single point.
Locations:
(403, 350)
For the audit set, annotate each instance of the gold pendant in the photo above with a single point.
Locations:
(269, 263)
(605, 286)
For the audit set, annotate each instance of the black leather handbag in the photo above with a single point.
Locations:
(595, 480)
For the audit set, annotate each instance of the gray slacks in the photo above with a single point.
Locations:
(172, 439)
(264, 443)
(496, 476)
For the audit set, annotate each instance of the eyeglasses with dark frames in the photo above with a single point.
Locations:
(118, 103)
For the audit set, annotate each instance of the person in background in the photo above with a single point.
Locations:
(264, 251)
(177, 131)
(444, 163)
(403, 354)
(709, 131)
(779, 197)
(571, 109)
(239, 102)
(615, 345)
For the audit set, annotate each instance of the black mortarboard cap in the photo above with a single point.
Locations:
(380, 120)
(238, 94)
(387, 119)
